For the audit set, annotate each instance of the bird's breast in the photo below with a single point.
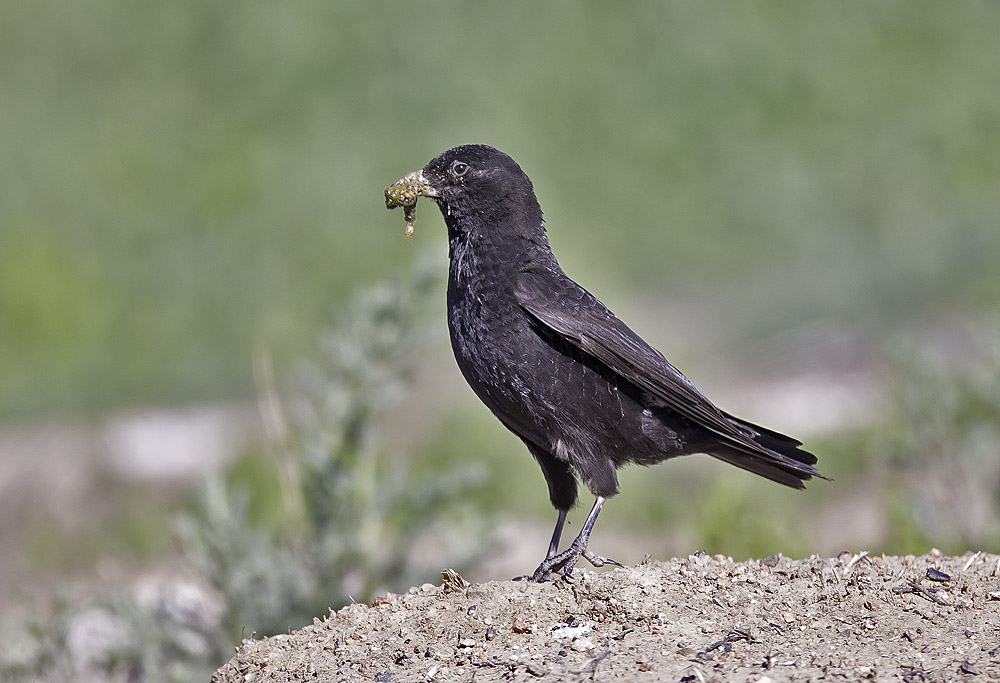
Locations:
(487, 333)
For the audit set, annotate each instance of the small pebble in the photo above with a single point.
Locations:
(534, 668)
(937, 575)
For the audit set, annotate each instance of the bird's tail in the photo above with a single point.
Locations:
(779, 458)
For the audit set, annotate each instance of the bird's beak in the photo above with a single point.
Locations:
(404, 192)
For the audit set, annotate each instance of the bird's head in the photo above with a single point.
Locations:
(474, 186)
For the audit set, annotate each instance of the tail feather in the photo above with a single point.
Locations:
(779, 458)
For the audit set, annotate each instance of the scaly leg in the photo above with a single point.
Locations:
(566, 560)
(556, 535)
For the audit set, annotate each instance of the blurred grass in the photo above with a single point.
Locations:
(182, 183)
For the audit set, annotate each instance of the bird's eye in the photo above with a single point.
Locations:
(459, 168)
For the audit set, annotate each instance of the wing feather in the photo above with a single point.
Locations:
(567, 309)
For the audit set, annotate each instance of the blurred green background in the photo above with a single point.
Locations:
(798, 202)
(183, 181)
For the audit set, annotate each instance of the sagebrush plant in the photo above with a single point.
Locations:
(353, 512)
(352, 518)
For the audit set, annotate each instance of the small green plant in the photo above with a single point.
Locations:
(351, 514)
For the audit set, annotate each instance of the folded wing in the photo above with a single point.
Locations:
(571, 312)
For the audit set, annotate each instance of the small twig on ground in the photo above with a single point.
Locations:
(730, 638)
(926, 593)
(971, 560)
(860, 556)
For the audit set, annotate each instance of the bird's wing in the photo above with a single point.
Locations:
(575, 315)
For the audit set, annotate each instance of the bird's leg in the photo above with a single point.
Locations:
(566, 560)
(556, 535)
(553, 544)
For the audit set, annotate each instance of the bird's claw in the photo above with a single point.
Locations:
(564, 562)
(597, 560)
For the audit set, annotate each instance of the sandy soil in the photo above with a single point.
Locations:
(701, 618)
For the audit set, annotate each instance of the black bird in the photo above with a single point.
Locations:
(583, 392)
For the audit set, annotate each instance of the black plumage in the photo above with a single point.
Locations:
(583, 391)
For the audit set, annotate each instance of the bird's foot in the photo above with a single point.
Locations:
(597, 560)
(565, 561)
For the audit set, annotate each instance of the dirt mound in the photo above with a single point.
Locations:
(697, 619)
